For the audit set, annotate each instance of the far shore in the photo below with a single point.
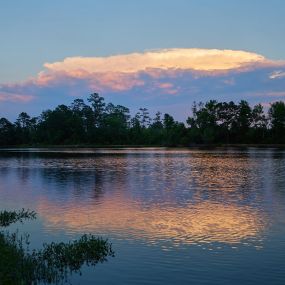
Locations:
(147, 146)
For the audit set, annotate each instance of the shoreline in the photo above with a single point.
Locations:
(147, 146)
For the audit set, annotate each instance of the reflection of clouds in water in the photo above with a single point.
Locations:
(204, 222)
(180, 196)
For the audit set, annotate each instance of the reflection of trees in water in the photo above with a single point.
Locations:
(202, 197)
(274, 187)
(224, 178)
(183, 196)
(179, 178)
(4, 172)
(24, 175)
(84, 178)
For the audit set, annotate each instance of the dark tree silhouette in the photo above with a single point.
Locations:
(103, 123)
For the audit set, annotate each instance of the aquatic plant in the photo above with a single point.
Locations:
(52, 264)
(9, 217)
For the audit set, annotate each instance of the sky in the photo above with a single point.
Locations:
(159, 54)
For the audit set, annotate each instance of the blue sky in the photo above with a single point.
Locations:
(36, 32)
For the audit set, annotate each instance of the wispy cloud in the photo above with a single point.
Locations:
(15, 98)
(277, 74)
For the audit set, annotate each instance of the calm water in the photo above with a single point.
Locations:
(173, 216)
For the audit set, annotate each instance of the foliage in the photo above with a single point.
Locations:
(11, 217)
(51, 264)
(102, 123)
(277, 119)
(227, 122)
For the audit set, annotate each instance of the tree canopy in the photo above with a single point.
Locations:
(101, 123)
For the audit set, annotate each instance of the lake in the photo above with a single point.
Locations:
(174, 216)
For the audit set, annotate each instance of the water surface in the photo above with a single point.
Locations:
(184, 216)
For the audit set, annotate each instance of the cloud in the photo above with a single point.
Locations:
(12, 97)
(196, 59)
(123, 72)
(277, 74)
(154, 78)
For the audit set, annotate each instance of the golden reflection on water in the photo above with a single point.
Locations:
(205, 222)
(184, 197)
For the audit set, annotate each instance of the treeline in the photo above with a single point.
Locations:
(98, 123)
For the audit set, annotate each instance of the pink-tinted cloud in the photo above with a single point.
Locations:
(167, 76)
(12, 97)
(122, 72)
(196, 59)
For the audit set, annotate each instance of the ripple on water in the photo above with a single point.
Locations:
(172, 208)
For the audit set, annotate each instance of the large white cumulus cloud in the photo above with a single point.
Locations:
(184, 75)
(196, 59)
(123, 72)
